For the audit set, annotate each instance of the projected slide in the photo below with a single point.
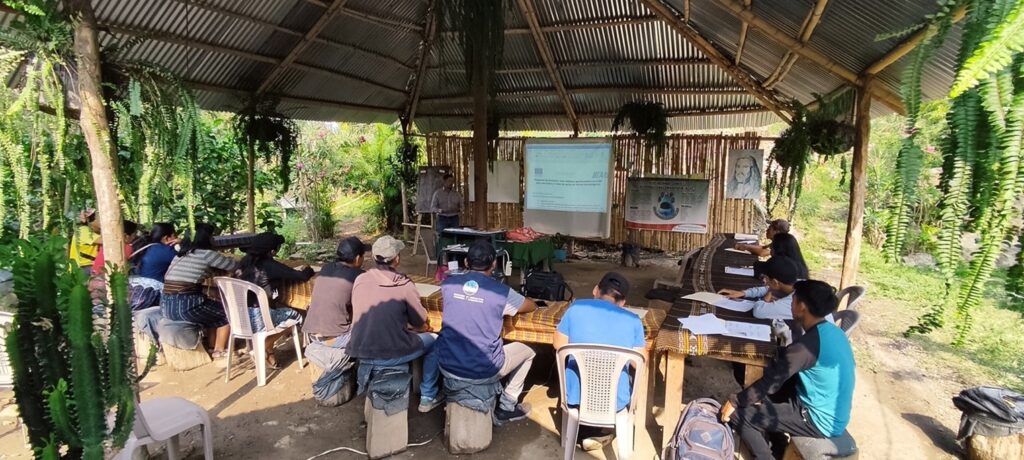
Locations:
(571, 177)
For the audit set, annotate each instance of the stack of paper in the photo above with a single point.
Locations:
(745, 237)
(709, 324)
(706, 297)
(427, 290)
(739, 271)
(735, 305)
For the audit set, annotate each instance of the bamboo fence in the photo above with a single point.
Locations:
(702, 156)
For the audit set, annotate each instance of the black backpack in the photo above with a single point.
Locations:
(700, 435)
(546, 286)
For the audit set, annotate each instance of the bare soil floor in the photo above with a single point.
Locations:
(901, 408)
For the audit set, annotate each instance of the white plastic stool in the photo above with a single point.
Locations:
(162, 420)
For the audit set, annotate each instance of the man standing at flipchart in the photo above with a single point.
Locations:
(447, 204)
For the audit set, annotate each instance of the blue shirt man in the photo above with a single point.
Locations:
(604, 321)
(469, 345)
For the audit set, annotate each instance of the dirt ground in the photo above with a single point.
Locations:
(901, 410)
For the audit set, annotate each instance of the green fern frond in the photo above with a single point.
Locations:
(995, 53)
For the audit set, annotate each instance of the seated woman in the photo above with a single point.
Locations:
(149, 264)
(183, 298)
(259, 267)
(785, 245)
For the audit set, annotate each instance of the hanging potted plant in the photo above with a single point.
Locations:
(647, 120)
(265, 131)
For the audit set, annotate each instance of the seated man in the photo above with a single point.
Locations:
(470, 344)
(389, 324)
(330, 310)
(775, 227)
(772, 301)
(821, 361)
(601, 320)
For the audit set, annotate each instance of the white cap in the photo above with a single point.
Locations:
(386, 248)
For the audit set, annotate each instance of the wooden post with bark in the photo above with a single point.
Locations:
(250, 190)
(858, 184)
(96, 130)
(481, 105)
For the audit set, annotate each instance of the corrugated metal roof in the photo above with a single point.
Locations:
(606, 52)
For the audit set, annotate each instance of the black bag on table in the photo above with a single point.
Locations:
(546, 286)
(700, 435)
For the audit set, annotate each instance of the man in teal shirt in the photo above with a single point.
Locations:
(822, 363)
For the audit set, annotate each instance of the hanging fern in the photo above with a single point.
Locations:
(647, 120)
(478, 28)
(995, 54)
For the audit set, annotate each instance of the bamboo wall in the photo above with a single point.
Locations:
(685, 155)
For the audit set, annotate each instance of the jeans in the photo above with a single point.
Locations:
(428, 388)
(444, 222)
(518, 359)
(755, 422)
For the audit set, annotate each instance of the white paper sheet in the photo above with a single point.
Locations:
(735, 305)
(641, 312)
(707, 324)
(737, 250)
(760, 332)
(706, 297)
(427, 290)
(740, 271)
(453, 265)
(745, 236)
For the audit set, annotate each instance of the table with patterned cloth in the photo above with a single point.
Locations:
(675, 343)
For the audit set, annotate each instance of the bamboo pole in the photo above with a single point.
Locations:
(858, 186)
(906, 46)
(526, 7)
(806, 30)
(743, 36)
(96, 130)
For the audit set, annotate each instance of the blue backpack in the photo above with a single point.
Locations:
(700, 435)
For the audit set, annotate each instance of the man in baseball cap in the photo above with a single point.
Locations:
(330, 310)
(389, 323)
(470, 345)
(601, 320)
(775, 298)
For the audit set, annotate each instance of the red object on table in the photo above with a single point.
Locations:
(523, 235)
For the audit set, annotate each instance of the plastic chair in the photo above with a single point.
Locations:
(684, 264)
(235, 294)
(599, 368)
(853, 295)
(429, 240)
(162, 420)
(847, 320)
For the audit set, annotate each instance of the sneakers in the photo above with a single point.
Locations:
(502, 416)
(596, 442)
(429, 404)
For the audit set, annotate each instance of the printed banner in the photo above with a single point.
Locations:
(667, 204)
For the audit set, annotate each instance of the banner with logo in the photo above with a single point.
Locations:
(668, 204)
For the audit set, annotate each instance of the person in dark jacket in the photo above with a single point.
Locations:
(330, 310)
(821, 362)
(259, 267)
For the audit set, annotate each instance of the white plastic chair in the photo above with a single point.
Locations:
(162, 420)
(429, 240)
(599, 369)
(235, 294)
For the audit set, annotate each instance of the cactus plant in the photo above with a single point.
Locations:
(68, 378)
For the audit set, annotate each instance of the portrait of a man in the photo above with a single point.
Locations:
(744, 174)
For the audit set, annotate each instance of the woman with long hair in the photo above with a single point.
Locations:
(183, 298)
(150, 260)
(259, 267)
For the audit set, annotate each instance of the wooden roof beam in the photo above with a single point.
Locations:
(301, 46)
(768, 98)
(241, 93)
(512, 95)
(806, 30)
(602, 115)
(886, 96)
(590, 24)
(453, 68)
(544, 49)
(906, 46)
(416, 79)
(743, 36)
(393, 24)
(192, 43)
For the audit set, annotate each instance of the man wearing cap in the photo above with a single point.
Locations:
(330, 310)
(775, 227)
(470, 344)
(771, 301)
(389, 323)
(601, 320)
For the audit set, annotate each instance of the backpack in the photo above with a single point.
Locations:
(700, 435)
(546, 286)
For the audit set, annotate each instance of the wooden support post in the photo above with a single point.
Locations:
(96, 130)
(858, 185)
(675, 372)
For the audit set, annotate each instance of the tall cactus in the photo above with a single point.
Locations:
(67, 377)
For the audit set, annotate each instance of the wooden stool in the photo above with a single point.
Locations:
(839, 448)
(467, 431)
(385, 435)
(344, 395)
(184, 360)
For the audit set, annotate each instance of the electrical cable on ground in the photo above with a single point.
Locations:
(349, 449)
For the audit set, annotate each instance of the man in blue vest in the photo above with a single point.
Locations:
(822, 363)
(469, 345)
